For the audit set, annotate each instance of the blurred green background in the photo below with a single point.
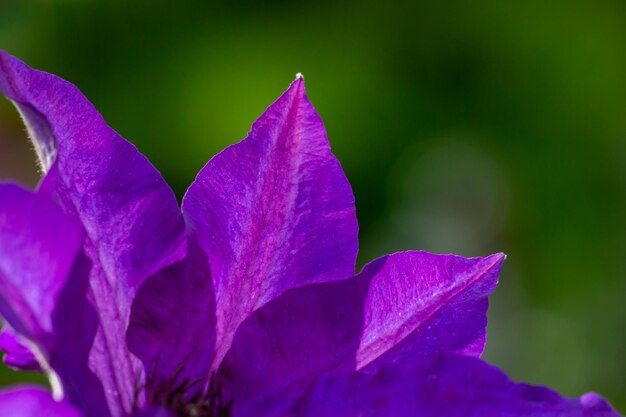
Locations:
(466, 127)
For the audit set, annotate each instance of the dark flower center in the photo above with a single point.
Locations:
(184, 399)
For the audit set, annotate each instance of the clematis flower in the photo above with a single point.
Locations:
(244, 301)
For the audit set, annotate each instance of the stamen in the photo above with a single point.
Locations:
(184, 401)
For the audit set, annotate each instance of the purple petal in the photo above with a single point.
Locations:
(279, 350)
(420, 304)
(16, 355)
(447, 386)
(400, 309)
(131, 217)
(154, 412)
(33, 402)
(272, 212)
(38, 248)
(43, 285)
(172, 323)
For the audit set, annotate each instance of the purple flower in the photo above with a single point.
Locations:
(247, 304)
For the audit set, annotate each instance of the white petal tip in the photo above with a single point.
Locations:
(299, 76)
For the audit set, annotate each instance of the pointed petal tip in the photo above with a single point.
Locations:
(499, 257)
(495, 261)
(298, 82)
